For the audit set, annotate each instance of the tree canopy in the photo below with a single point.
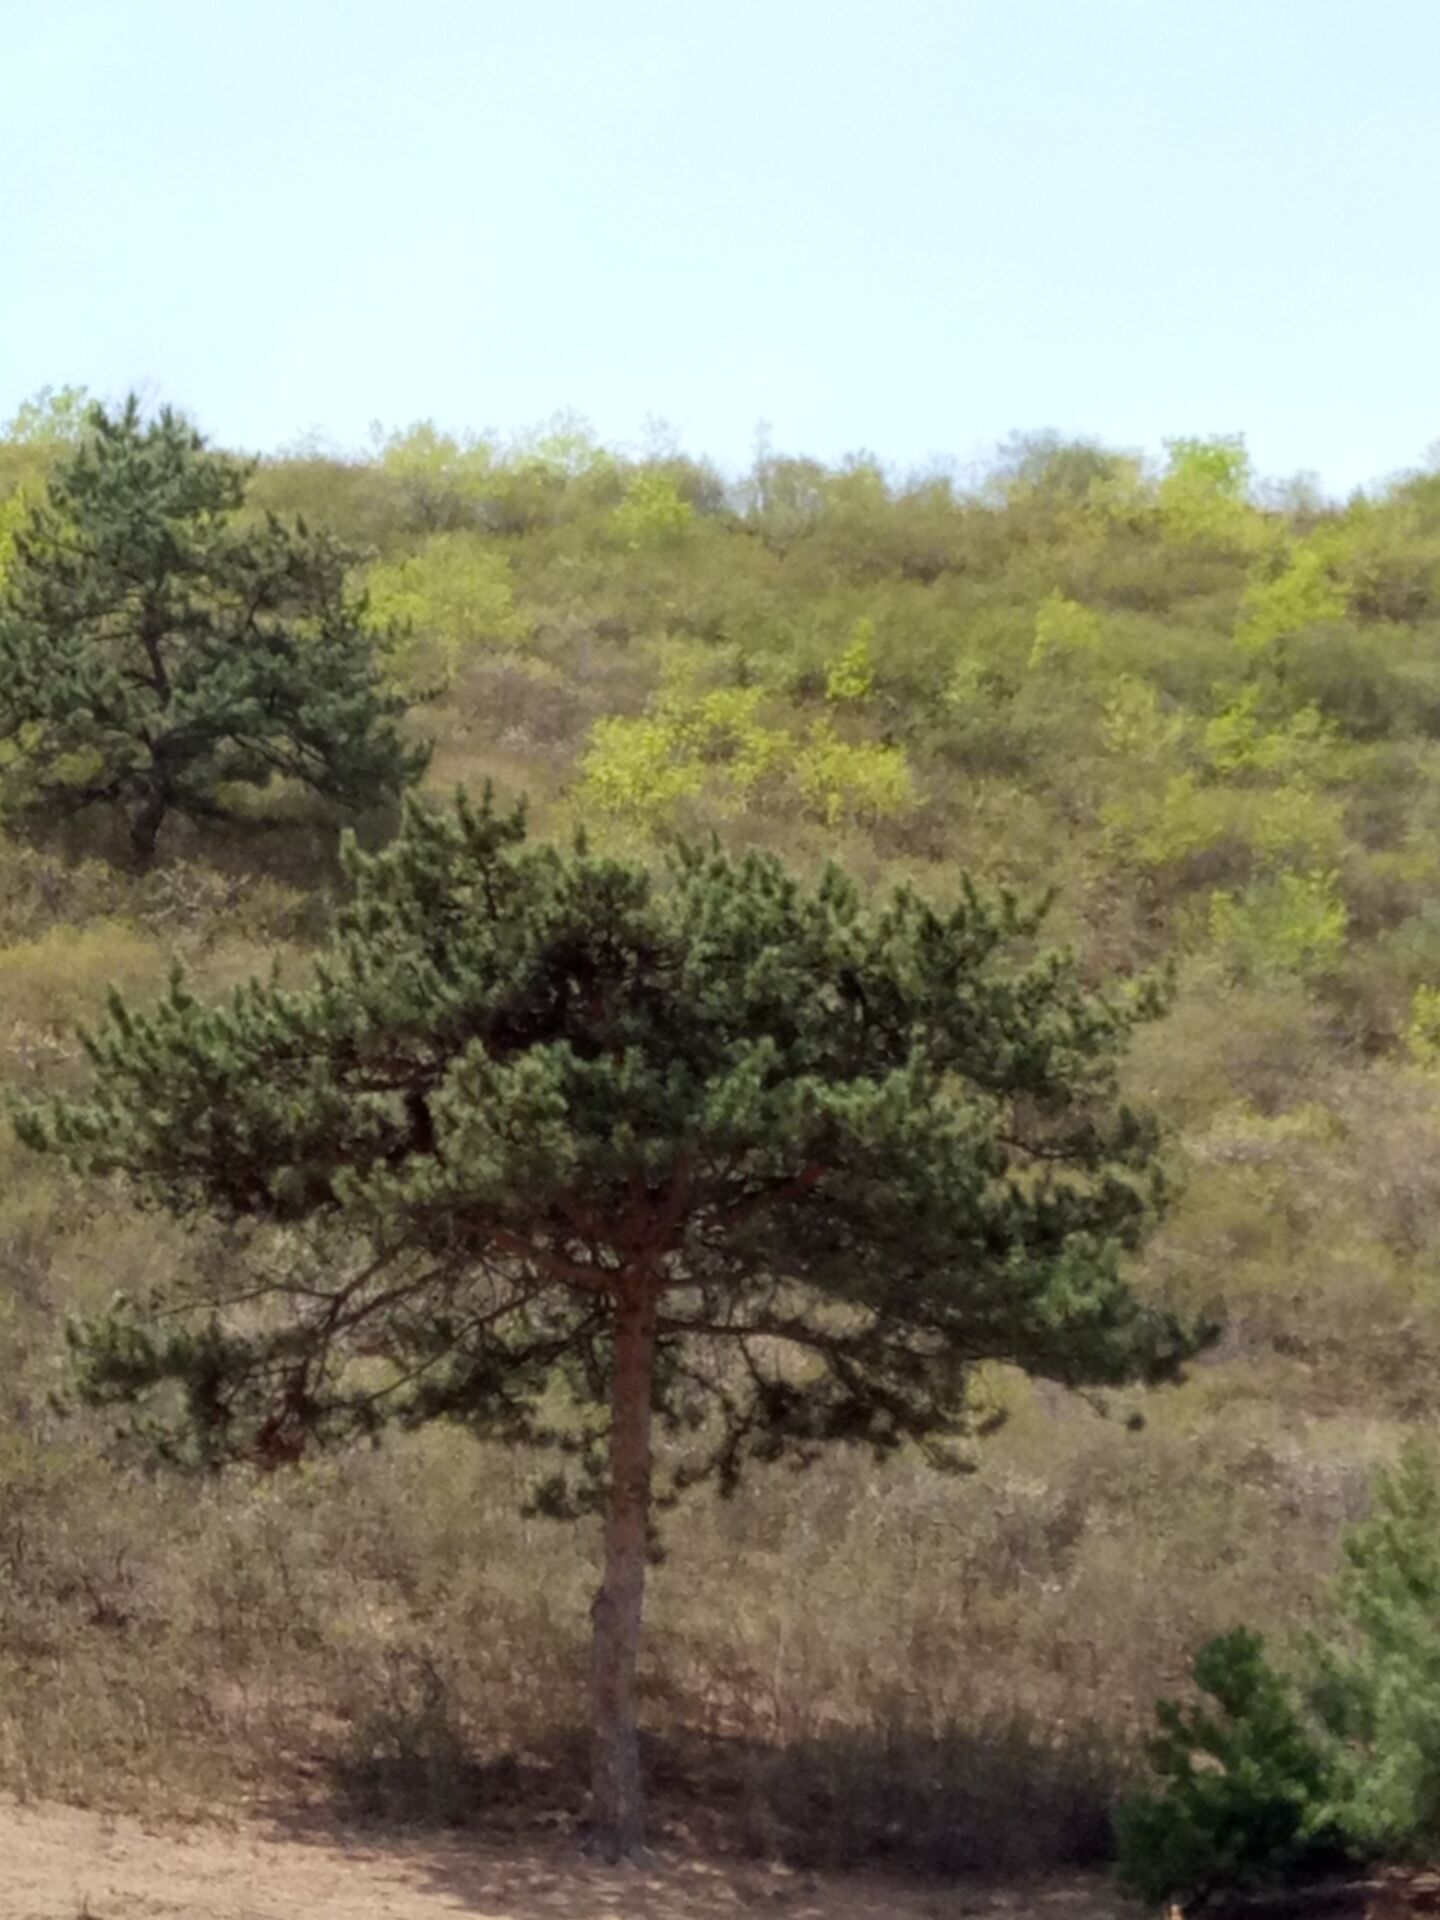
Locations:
(158, 650)
(769, 1164)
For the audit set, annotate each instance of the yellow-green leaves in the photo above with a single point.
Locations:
(1287, 924)
(852, 780)
(438, 470)
(717, 741)
(653, 512)
(1422, 1035)
(1234, 799)
(636, 770)
(1064, 629)
(1204, 494)
(1237, 741)
(852, 675)
(1303, 595)
(1135, 723)
(454, 594)
(13, 513)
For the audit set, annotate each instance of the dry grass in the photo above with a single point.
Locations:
(861, 1664)
(858, 1665)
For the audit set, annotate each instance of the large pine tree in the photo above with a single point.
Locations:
(157, 649)
(755, 1160)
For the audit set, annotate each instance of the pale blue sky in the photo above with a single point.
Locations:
(903, 225)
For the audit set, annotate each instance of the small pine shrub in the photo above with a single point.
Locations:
(1378, 1685)
(1247, 1790)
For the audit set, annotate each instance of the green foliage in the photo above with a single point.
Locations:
(1138, 777)
(1237, 798)
(444, 479)
(653, 512)
(744, 1079)
(43, 428)
(852, 675)
(1304, 594)
(1270, 1789)
(547, 1136)
(1291, 923)
(452, 596)
(1390, 558)
(1237, 741)
(638, 770)
(13, 514)
(154, 655)
(53, 417)
(852, 779)
(1063, 629)
(565, 446)
(1136, 724)
(1046, 466)
(1246, 1799)
(1203, 496)
(1423, 1032)
(1378, 1680)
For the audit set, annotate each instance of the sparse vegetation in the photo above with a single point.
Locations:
(1212, 725)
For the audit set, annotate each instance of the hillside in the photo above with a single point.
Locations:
(1206, 714)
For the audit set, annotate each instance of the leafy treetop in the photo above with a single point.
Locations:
(869, 1132)
(779, 1167)
(155, 650)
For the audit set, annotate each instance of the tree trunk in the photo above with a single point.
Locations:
(145, 829)
(617, 1807)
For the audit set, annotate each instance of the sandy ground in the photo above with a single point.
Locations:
(62, 1863)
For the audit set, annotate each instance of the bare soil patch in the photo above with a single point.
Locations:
(66, 1863)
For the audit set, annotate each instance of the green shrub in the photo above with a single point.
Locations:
(1246, 1798)
(1203, 495)
(852, 675)
(1289, 924)
(452, 596)
(852, 780)
(1063, 627)
(1305, 594)
(652, 513)
(1378, 1685)
(1266, 1790)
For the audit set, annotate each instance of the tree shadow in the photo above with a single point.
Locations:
(295, 846)
(961, 1805)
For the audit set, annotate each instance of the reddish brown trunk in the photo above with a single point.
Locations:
(617, 1804)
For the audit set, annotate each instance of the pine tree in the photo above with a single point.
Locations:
(155, 650)
(758, 1162)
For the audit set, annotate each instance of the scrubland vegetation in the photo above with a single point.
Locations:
(1206, 713)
